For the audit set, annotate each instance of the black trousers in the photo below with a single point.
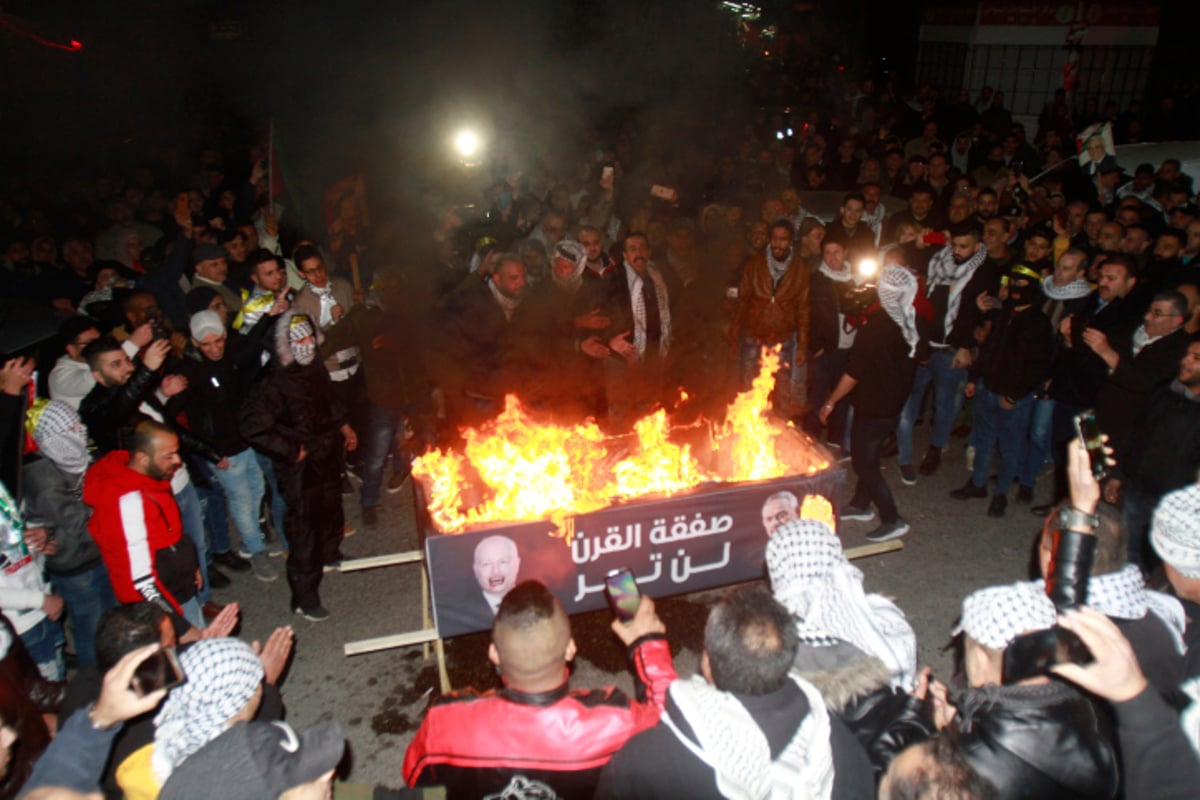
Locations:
(866, 440)
(314, 522)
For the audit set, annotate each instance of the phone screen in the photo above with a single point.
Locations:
(1093, 441)
(1032, 654)
(621, 589)
(160, 671)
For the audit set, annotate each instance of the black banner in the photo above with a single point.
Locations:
(714, 536)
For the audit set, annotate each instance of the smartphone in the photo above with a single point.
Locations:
(160, 671)
(183, 206)
(621, 589)
(934, 237)
(664, 193)
(1093, 441)
(1032, 654)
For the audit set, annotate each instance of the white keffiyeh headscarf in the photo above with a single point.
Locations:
(1072, 291)
(897, 290)
(573, 252)
(840, 276)
(639, 309)
(944, 272)
(222, 677)
(1175, 530)
(60, 435)
(1123, 595)
(813, 579)
(998, 614)
(735, 747)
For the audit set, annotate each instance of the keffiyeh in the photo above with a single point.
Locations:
(1124, 595)
(1072, 291)
(507, 304)
(776, 267)
(897, 290)
(1175, 530)
(840, 276)
(813, 579)
(639, 310)
(997, 615)
(731, 742)
(301, 327)
(222, 677)
(943, 271)
(60, 435)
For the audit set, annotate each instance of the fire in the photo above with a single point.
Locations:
(514, 468)
(816, 507)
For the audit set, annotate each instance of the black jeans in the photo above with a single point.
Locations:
(866, 439)
(314, 521)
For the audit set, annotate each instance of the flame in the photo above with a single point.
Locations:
(815, 506)
(514, 468)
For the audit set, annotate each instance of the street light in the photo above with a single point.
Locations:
(466, 142)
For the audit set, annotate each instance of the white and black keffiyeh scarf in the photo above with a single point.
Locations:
(943, 271)
(325, 297)
(1072, 291)
(1123, 595)
(897, 290)
(735, 747)
(998, 614)
(843, 275)
(811, 576)
(507, 304)
(639, 309)
(222, 676)
(1175, 530)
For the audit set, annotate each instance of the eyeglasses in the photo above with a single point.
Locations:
(1154, 312)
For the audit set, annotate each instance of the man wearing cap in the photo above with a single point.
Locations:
(211, 270)
(1037, 738)
(219, 372)
(773, 311)
(1175, 534)
(293, 415)
(1014, 361)
(261, 760)
(537, 737)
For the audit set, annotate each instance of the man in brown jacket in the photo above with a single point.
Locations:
(773, 310)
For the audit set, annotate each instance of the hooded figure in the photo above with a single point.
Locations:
(293, 416)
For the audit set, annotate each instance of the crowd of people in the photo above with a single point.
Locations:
(222, 380)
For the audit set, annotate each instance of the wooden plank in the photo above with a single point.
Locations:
(389, 642)
(371, 562)
(874, 549)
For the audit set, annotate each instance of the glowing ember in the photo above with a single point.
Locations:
(514, 468)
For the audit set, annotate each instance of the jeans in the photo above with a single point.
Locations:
(999, 429)
(948, 384)
(787, 397)
(866, 439)
(193, 613)
(44, 642)
(1137, 507)
(824, 374)
(213, 505)
(379, 440)
(193, 525)
(1062, 431)
(87, 595)
(244, 488)
(278, 507)
(1037, 448)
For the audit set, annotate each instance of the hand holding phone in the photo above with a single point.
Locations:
(160, 670)
(1093, 442)
(621, 591)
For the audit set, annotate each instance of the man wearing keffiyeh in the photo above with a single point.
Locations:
(1175, 534)
(955, 280)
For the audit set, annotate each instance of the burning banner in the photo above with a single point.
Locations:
(529, 500)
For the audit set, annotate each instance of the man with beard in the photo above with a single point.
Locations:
(773, 311)
(1165, 269)
(919, 212)
(832, 329)
(639, 304)
(136, 525)
(567, 314)
(292, 414)
(1078, 372)
(270, 296)
(599, 263)
(1014, 361)
(488, 340)
(987, 205)
(955, 280)
(878, 379)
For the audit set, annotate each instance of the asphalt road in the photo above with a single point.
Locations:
(953, 549)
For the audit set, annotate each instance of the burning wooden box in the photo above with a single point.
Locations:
(684, 509)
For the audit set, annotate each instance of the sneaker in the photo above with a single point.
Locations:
(998, 505)
(262, 567)
(969, 491)
(931, 461)
(888, 531)
(217, 579)
(1024, 494)
(314, 614)
(370, 516)
(856, 513)
(232, 561)
(908, 475)
(275, 549)
(396, 482)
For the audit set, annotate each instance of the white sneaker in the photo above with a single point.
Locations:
(888, 531)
